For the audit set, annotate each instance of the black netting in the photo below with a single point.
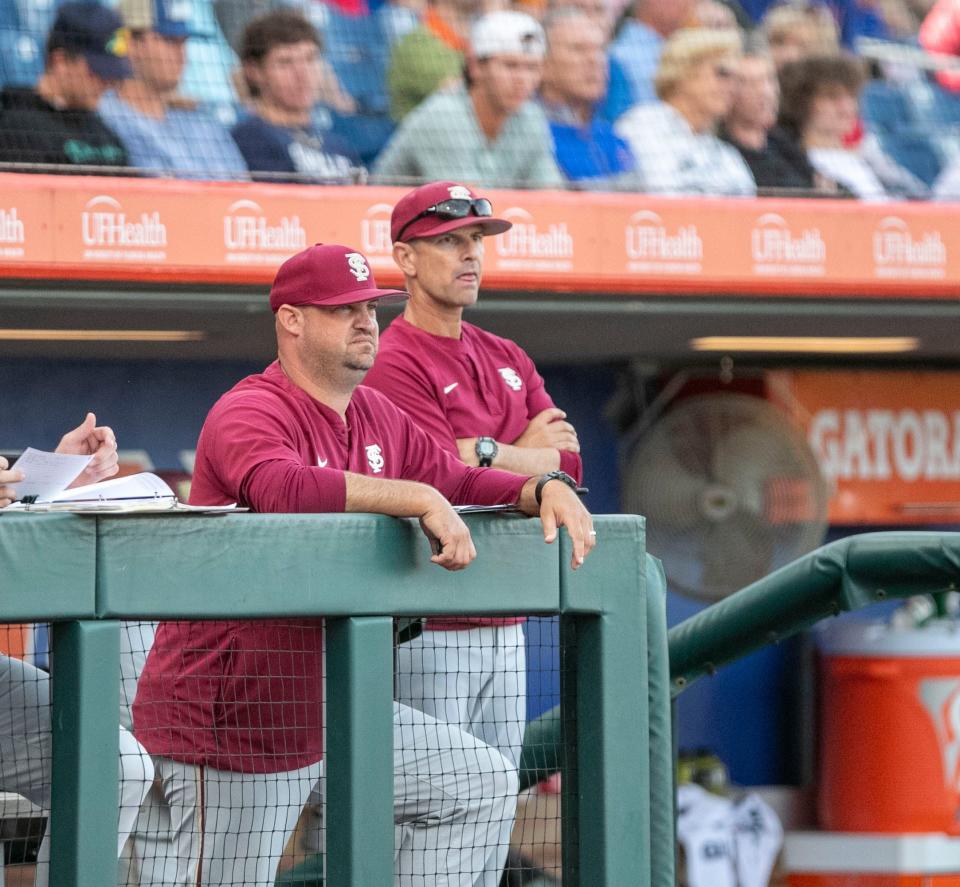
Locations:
(687, 99)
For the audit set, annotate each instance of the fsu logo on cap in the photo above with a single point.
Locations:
(458, 192)
(358, 267)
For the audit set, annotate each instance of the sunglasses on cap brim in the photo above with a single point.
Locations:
(454, 208)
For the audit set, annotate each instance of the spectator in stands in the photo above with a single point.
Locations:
(619, 94)
(233, 16)
(165, 133)
(282, 68)
(674, 141)
(574, 81)
(819, 107)
(715, 15)
(795, 32)
(774, 158)
(56, 122)
(638, 45)
(487, 131)
(430, 56)
(858, 18)
(940, 32)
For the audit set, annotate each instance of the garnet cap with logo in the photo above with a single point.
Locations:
(328, 274)
(405, 224)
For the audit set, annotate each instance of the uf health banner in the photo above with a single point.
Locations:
(58, 227)
(889, 441)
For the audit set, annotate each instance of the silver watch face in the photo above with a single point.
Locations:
(486, 447)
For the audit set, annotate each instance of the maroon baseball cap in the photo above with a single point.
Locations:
(327, 274)
(440, 207)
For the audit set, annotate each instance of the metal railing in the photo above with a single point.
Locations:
(85, 573)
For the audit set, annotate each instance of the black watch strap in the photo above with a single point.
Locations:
(557, 475)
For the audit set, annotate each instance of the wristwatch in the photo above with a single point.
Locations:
(486, 449)
(561, 476)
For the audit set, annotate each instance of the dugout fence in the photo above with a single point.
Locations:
(85, 574)
(611, 736)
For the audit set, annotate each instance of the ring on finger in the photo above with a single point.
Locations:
(593, 533)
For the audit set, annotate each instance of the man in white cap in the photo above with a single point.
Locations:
(486, 131)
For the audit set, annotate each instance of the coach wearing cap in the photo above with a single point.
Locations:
(486, 131)
(482, 400)
(56, 122)
(221, 703)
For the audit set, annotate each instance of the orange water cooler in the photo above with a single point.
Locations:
(889, 780)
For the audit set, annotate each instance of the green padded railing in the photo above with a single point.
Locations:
(358, 571)
(845, 575)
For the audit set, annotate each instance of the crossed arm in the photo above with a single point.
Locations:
(536, 451)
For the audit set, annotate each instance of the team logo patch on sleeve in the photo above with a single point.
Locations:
(511, 377)
(375, 458)
(358, 266)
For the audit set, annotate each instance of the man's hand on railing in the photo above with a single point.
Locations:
(449, 537)
(559, 506)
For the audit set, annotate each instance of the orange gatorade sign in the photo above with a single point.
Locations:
(889, 442)
(197, 232)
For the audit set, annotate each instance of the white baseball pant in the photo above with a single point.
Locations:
(26, 751)
(474, 679)
(451, 795)
(136, 639)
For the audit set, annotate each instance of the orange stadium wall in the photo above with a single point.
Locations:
(158, 230)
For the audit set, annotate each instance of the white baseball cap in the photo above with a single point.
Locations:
(507, 32)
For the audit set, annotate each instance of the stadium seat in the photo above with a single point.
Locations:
(932, 105)
(366, 133)
(21, 58)
(884, 107)
(359, 52)
(35, 16)
(210, 60)
(914, 151)
(9, 19)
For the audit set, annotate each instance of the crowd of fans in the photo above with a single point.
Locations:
(722, 97)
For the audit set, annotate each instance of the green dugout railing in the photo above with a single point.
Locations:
(86, 573)
(621, 666)
(840, 577)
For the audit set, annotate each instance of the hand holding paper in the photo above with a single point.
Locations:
(98, 441)
(8, 476)
(45, 474)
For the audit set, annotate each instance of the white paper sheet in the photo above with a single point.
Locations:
(143, 493)
(47, 474)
